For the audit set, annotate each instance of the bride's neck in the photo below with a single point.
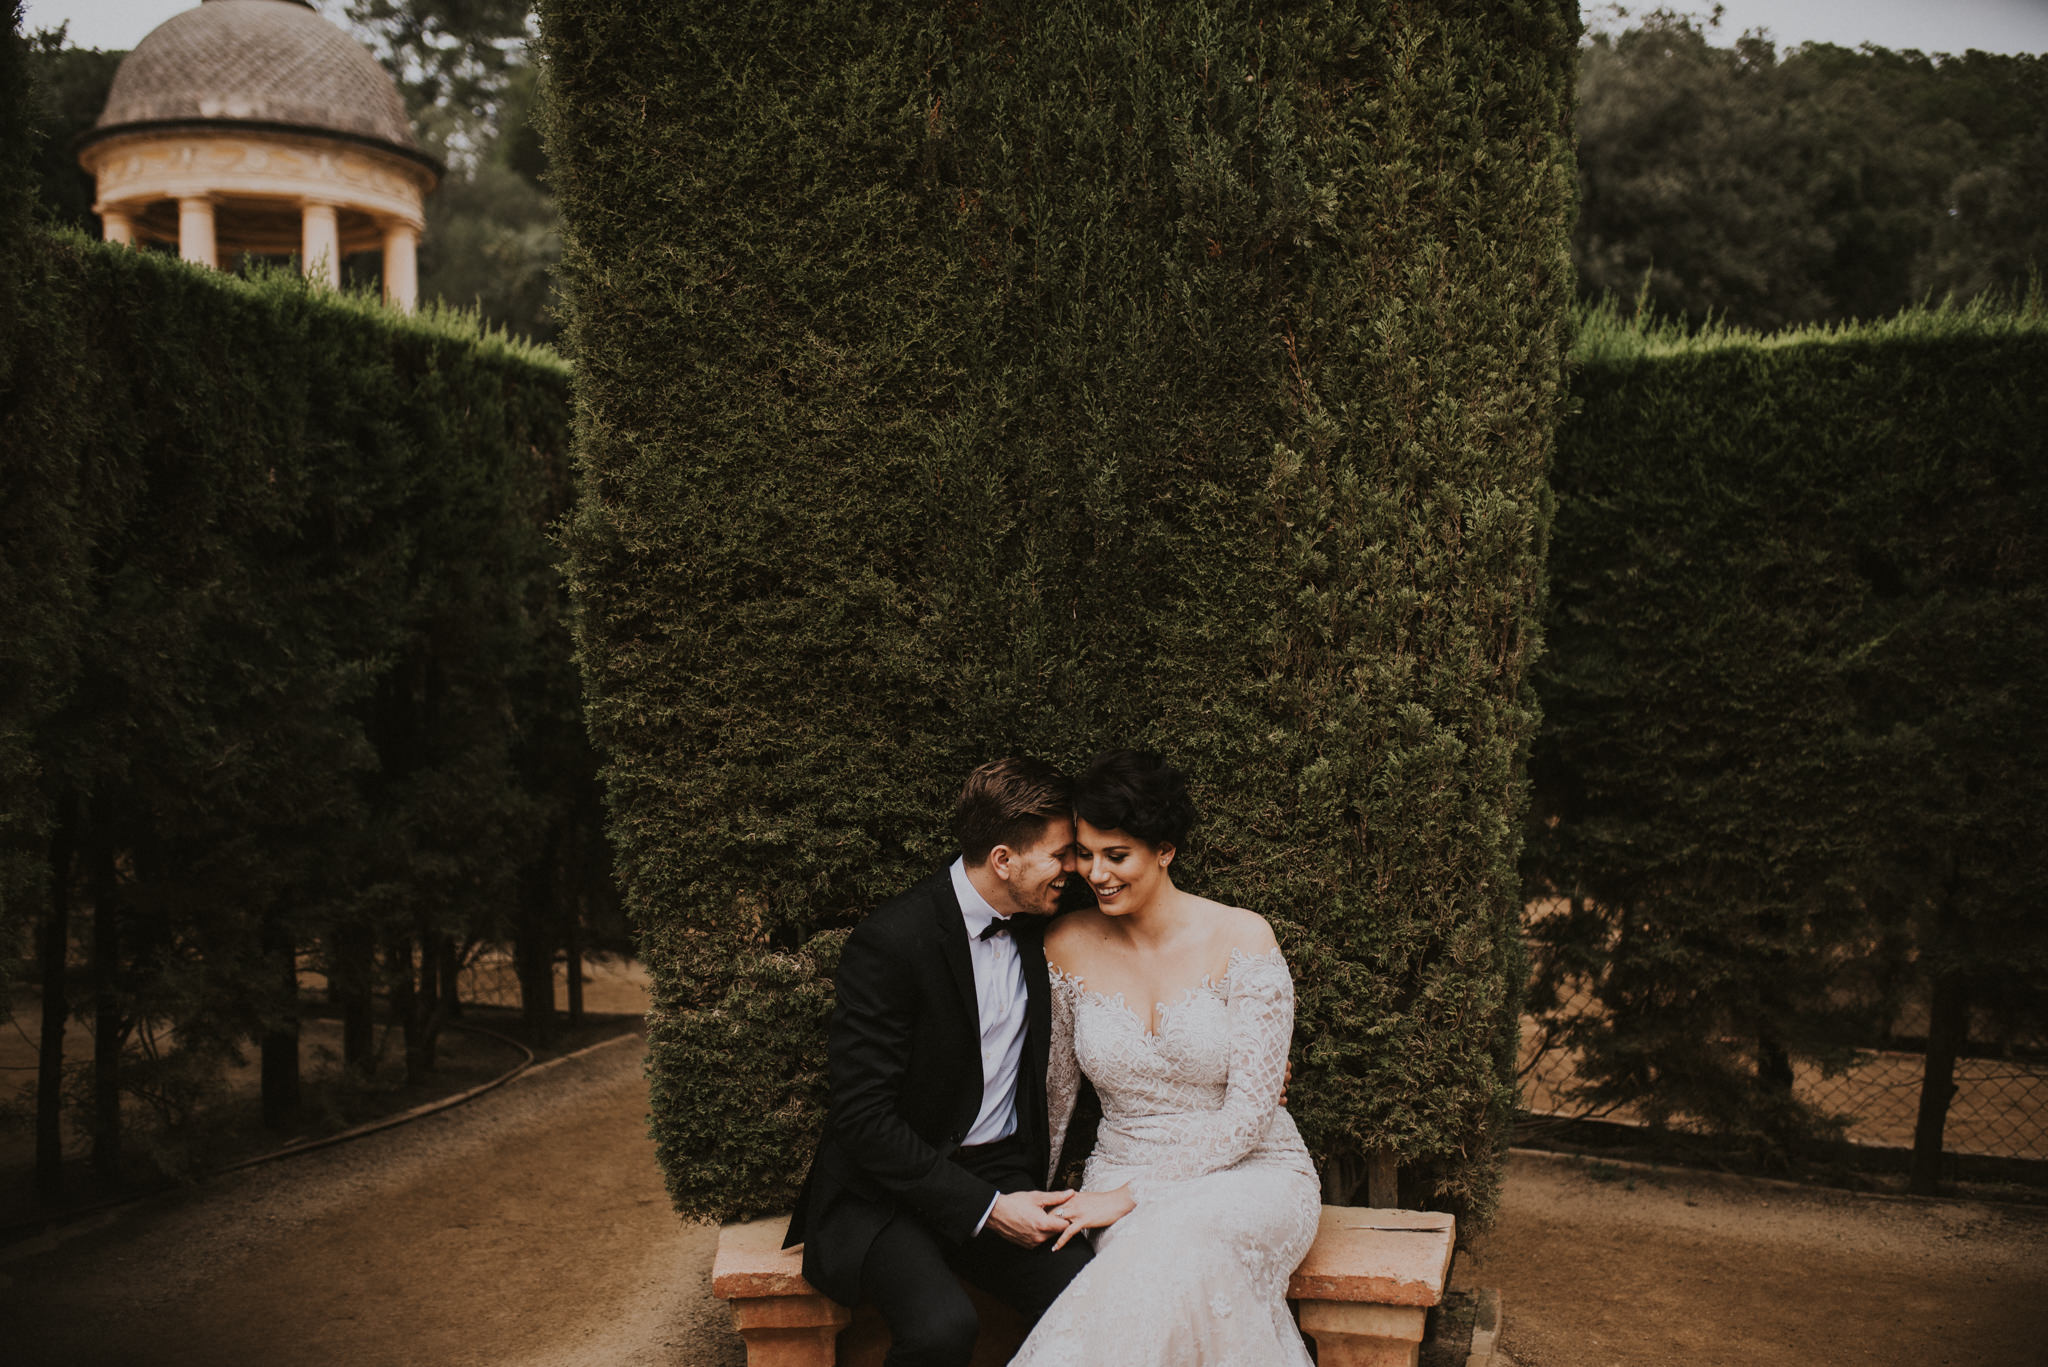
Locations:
(1154, 923)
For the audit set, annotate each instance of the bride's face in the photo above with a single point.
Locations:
(1124, 872)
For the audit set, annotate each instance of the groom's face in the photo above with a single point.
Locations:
(1031, 877)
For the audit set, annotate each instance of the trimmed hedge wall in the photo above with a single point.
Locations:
(286, 650)
(1795, 696)
(23, 681)
(954, 381)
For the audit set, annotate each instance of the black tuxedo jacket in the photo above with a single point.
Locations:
(904, 1064)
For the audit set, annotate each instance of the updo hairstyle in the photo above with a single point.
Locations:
(1138, 793)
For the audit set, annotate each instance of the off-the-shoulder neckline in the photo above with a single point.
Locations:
(1210, 983)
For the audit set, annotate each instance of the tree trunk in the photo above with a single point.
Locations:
(405, 1005)
(281, 1039)
(109, 1031)
(451, 978)
(1383, 1180)
(574, 954)
(533, 952)
(1948, 1022)
(353, 966)
(431, 1005)
(1340, 1179)
(54, 961)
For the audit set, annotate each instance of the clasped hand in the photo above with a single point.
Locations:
(1093, 1210)
(1020, 1216)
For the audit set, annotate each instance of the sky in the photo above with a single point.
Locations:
(1928, 25)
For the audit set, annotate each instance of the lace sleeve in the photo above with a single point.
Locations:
(1261, 1004)
(1062, 1071)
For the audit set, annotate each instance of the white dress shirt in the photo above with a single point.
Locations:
(1002, 1003)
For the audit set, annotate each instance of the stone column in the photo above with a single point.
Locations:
(195, 230)
(401, 266)
(116, 226)
(320, 243)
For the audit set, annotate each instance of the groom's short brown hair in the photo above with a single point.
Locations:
(1008, 802)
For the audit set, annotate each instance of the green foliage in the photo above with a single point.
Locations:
(463, 66)
(1818, 185)
(288, 625)
(25, 579)
(961, 381)
(1794, 698)
(71, 85)
(492, 240)
(456, 58)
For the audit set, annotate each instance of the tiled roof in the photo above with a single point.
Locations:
(265, 61)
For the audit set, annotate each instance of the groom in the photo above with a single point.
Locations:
(936, 1140)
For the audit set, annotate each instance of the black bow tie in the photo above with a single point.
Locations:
(999, 926)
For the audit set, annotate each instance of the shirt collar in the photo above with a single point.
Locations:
(973, 906)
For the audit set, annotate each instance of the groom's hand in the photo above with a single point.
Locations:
(1020, 1216)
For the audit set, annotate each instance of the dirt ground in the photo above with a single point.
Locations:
(1600, 1265)
(529, 1229)
(526, 1229)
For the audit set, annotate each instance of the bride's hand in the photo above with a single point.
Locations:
(1093, 1210)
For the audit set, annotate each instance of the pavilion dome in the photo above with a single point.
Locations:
(256, 128)
(267, 62)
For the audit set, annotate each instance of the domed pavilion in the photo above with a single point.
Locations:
(257, 126)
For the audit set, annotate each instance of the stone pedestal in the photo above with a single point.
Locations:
(790, 1331)
(1366, 1286)
(1349, 1334)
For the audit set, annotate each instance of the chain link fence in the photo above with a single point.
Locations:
(2000, 1107)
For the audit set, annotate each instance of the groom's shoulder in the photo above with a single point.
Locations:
(907, 915)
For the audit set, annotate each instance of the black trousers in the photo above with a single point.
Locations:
(913, 1277)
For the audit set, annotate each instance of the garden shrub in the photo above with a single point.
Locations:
(1794, 698)
(284, 622)
(27, 578)
(961, 380)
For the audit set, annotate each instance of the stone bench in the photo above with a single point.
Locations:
(1362, 1292)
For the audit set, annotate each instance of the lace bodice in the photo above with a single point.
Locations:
(1198, 1096)
(1227, 1199)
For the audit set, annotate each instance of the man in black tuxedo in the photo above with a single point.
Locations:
(936, 1142)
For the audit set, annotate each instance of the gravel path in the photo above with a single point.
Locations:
(1606, 1266)
(526, 1229)
(529, 1229)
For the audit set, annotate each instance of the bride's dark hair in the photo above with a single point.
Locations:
(1138, 793)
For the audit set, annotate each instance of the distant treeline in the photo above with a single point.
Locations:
(1768, 188)
(1789, 790)
(1775, 189)
(287, 681)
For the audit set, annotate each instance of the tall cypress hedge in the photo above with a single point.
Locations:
(33, 571)
(958, 380)
(284, 641)
(1789, 784)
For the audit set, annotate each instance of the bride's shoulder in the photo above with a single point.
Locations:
(1071, 939)
(1234, 929)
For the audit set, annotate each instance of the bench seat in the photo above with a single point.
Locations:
(1362, 1292)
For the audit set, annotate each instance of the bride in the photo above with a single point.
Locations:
(1200, 1194)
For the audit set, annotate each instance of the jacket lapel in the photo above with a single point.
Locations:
(951, 928)
(1037, 1029)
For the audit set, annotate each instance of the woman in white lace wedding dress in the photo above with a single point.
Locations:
(1200, 1193)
